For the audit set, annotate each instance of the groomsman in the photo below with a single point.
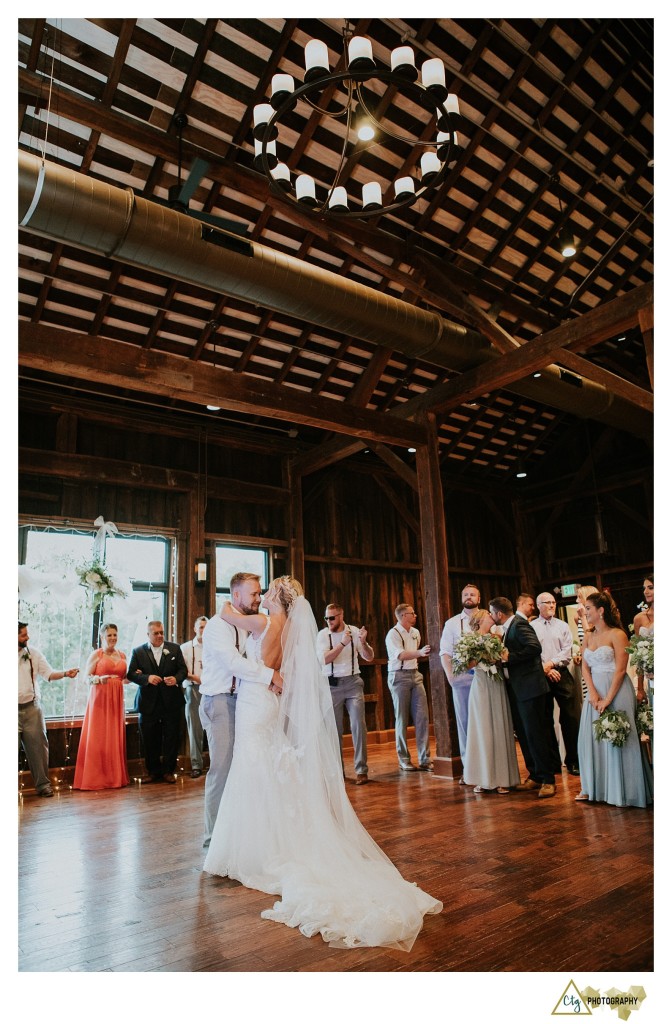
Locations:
(461, 681)
(192, 652)
(407, 688)
(556, 654)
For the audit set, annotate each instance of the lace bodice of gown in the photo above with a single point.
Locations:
(602, 657)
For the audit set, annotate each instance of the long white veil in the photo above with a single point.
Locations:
(335, 879)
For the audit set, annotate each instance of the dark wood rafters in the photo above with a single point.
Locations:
(553, 108)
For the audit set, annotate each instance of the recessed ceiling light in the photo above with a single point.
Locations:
(213, 408)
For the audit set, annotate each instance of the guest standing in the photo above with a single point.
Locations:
(192, 652)
(530, 698)
(556, 654)
(101, 757)
(33, 666)
(460, 682)
(490, 761)
(338, 648)
(407, 688)
(158, 668)
(616, 775)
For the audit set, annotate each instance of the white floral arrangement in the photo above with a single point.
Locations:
(613, 726)
(640, 650)
(98, 581)
(476, 649)
(644, 721)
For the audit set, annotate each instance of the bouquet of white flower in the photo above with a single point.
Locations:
(644, 720)
(97, 580)
(475, 649)
(613, 726)
(640, 650)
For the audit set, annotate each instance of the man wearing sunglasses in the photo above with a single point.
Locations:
(339, 648)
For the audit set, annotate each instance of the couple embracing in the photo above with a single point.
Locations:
(277, 817)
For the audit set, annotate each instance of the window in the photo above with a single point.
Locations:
(231, 559)
(61, 620)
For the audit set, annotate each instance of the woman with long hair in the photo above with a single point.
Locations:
(285, 825)
(101, 756)
(643, 626)
(614, 775)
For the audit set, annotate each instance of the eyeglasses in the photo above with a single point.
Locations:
(548, 602)
(330, 618)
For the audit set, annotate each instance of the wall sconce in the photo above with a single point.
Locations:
(201, 573)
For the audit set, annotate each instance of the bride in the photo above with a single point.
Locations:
(285, 825)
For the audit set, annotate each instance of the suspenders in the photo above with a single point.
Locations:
(352, 655)
(233, 678)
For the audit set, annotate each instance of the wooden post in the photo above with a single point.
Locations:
(436, 595)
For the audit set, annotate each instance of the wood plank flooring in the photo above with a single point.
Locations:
(112, 882)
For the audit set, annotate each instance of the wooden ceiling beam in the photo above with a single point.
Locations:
(99, 359)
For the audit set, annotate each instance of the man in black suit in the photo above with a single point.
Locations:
(158, 667)
(530, 698)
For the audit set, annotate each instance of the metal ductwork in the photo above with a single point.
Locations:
(58, 203)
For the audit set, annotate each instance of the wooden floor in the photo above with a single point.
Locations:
(113, 882)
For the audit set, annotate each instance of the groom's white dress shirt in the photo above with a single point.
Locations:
(222, 663)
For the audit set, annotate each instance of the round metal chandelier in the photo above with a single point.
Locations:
(362, 130)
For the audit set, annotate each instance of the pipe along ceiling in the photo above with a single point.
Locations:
(59, 203)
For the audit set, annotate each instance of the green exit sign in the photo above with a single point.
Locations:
(569, 589)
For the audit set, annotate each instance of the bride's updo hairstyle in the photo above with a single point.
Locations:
(286, 589)
(606, 602)
(477, 619)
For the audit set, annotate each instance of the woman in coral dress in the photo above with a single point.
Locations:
(101, 758)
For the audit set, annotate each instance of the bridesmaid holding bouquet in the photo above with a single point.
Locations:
(101, 758)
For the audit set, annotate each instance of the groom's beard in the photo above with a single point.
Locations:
(248, 609)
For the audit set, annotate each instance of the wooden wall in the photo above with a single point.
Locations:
(360, 519)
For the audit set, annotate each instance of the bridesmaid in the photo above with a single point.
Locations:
(101, 758)
(615, 775)
(643, 626)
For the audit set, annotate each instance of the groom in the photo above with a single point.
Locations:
(224, 668)
(529, 696)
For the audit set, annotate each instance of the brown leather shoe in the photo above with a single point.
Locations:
(548, 789)
(196, 773)
(170, 778)
(525, 787)
(361, 780)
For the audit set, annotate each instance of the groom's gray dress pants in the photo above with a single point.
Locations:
(218, 717)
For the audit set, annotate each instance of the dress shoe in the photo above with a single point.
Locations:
(573, 769)
(426, 767)
(406, 766)
(582, 798)
(361, 780)
(46, 792)
(547, 789)
(170, 779)
(525, 787)
(196, 773)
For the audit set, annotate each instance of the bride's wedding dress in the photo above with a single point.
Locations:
(285, 825)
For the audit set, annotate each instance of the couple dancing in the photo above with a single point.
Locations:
(285, 825)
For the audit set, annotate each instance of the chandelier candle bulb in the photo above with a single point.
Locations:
(270, 155)
(360, 53)
(338, 199)
(434, 77)
(430, 165)
(447, 146)
(450, 109)
(281, 87)
(403, 188)
(305, 189)
(262, 113)
(403, 62)
(372, 194)
(317, 59)
(281, 175)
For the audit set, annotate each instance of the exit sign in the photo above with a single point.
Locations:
(569, 589)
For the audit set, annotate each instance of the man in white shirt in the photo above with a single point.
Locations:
(338, 647)
(407, 688)
(556, 653)
(459, 682)
(224, 668)
(32, 730)
(192, 652)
